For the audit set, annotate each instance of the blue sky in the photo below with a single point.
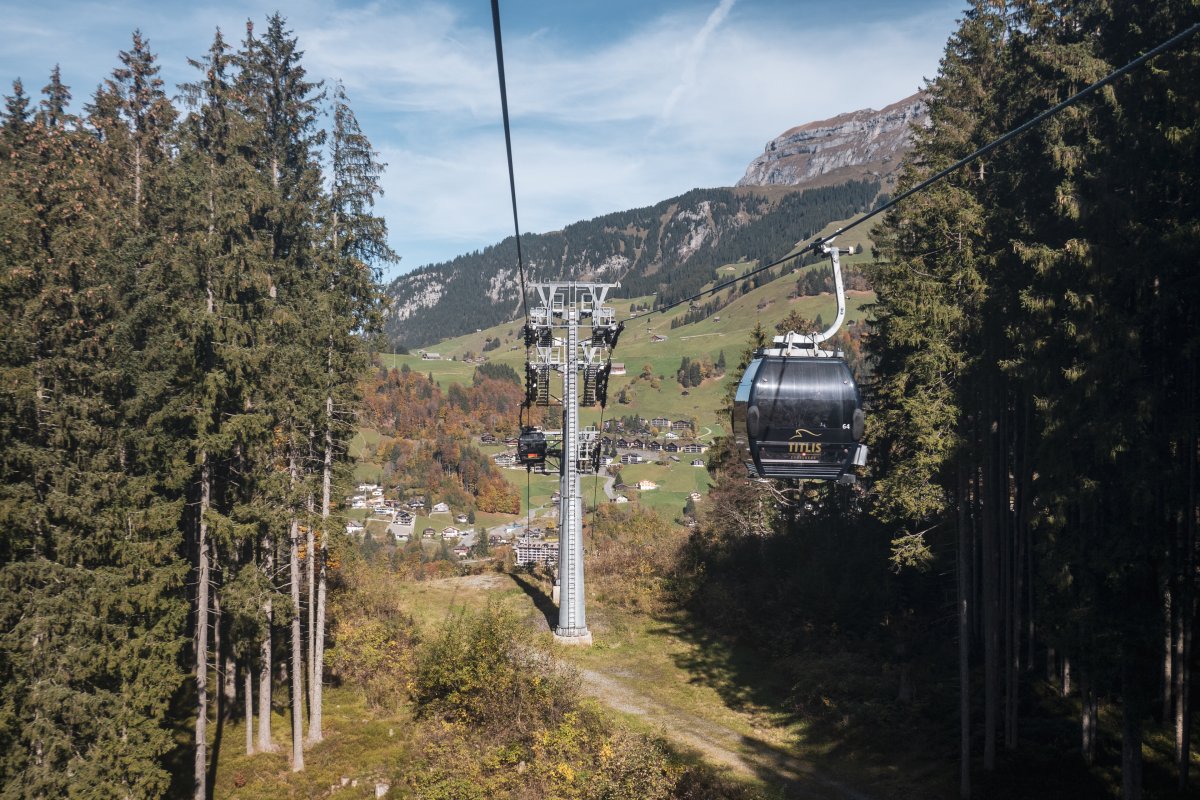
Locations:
(615, 104)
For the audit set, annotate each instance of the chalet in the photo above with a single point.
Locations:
(451, 532)
(359, 501)
(645, 486)
(511, 442)
(694, 496)
(631, 458)
(461, 551)
(529, 551)
(368, 487)
(637, 444)
(354, 528)
(487, 438)
(620, 499)
(682, 425)
(660, 422)
(431, 356)
(671, 447)
(402, 537)
(694, 447)
(428, 533)
(697, 462)
(440, 508)
(416, 505)
(654, 447)
(461, 518)
(670, 435)
(505, 459)
(404, 518)
(618, 368)
(623, 443)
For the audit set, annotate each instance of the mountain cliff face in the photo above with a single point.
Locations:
(834, 169)
(851, 146)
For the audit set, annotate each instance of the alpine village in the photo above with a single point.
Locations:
(874, 475)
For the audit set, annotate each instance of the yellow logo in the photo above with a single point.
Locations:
(801, 432)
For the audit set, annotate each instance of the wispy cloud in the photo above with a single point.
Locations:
(694, 53)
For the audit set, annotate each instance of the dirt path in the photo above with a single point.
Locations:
(719, 744)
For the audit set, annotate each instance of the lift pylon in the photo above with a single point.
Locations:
(572, 333)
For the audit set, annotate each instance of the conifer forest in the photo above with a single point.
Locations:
(1003, 605)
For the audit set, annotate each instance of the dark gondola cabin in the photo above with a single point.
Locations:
(531, 447)
(799, 417)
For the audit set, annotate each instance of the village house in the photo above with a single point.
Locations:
(694, 496)
(618, 368)
(645, 486)
(451, 532)
(460, 518)
(660, 422)
(694, 447)
(428, 533)
(404, 518)
(461, 551)
(430, 356)
(623, 443)
(637, 444)
(354, 528)
(697, 462)
(487, 438)
(631, 458)
(682, 425)
(654, 447)
(505, 459)
(620, 499)
(671, 447)
(440, 508)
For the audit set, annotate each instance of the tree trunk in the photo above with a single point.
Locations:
(249, 703)
(297, 670)
(200, 786)
(315, 730)
(991, 600)
(1131, 745)
(1066, 676)
(1171, 625)
(1183, 645)
(265, 665)
(310, 556)
(964, 638)
(1087, 719)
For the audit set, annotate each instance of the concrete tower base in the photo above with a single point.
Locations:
(584, 640)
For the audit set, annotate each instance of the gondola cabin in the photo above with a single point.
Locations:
(799, 417)
(531, 447)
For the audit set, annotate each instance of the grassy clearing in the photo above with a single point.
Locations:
(360, 745)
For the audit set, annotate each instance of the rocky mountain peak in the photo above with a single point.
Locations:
(858, 144)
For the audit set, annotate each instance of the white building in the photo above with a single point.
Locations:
(531, 551)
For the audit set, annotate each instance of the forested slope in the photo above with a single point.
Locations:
(671, 248)
(183, 297)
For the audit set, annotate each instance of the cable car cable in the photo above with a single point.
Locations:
(1169, 44)
(512, 181)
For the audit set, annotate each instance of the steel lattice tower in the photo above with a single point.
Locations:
(572, 332)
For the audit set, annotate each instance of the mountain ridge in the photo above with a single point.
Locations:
(808, 176)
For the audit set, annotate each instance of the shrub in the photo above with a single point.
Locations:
(488, 671)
